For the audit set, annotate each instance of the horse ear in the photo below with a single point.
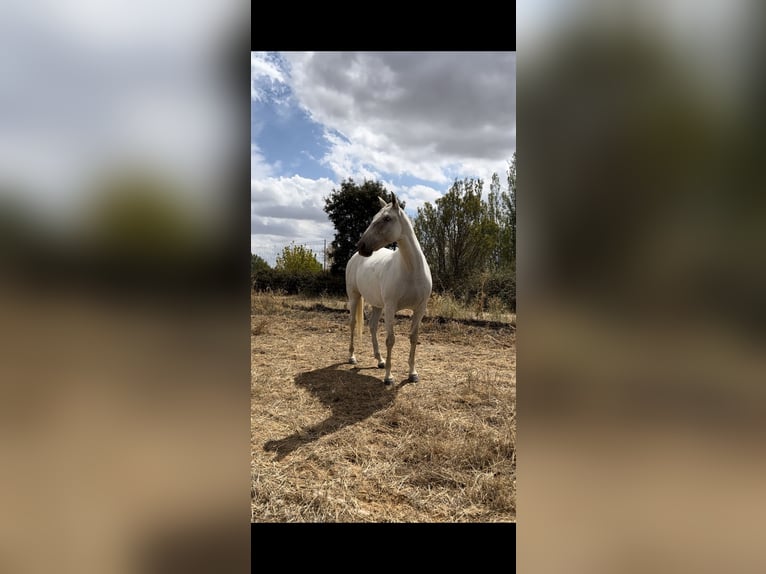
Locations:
(382, 201)
(394, 201)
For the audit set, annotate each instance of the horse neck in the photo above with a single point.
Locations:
(409, 248)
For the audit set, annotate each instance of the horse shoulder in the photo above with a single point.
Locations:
(351, 268)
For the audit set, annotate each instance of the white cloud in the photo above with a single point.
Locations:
(359, 159)
(434, 116)
(259, 167)
(286, 209)
(416, 195)
(290, 191)
(267, 80)
(261, 65)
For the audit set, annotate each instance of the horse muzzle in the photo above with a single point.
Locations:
(364, 249)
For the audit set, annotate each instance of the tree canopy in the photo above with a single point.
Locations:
(463, 234)
(258, 264)
(351, 208)
(298, 259)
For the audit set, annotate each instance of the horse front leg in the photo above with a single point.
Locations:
(390, 338)
(374, 322)
(417, 316)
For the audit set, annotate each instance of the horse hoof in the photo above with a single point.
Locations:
(414, 379)
(388, 382)
(381, 365)
(352, 361)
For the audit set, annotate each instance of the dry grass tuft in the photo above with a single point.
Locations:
(446, 306)
(330, 443)
(259, 327)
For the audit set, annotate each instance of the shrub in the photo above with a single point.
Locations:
(292, 283)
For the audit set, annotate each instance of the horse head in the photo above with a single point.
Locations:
(386, 228)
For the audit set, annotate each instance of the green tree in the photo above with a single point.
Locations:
(511, 207)
(260, 271)
(258, 264)
(351, 208)
(495, 216)
(507, 220)
(501, 211)
(459, 234)
(298, 259)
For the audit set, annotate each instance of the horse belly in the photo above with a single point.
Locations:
(412, 298)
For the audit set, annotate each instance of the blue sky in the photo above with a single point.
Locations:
(413, 120)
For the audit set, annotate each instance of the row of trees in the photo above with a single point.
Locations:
(468, 239)
(465, 235)
(297, 270)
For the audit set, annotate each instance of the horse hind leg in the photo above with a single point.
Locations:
(356, 307)
(374, 323)
(390, 339)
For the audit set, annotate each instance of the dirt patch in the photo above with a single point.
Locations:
(331, 443)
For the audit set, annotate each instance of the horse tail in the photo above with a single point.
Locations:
(359, 316)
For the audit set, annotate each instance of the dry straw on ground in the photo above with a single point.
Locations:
(331, 444)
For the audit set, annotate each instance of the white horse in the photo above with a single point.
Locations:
(388, 280)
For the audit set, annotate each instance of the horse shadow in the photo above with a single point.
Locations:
(350, 395)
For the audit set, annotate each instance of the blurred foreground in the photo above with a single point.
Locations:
(124, 435)
(124, 382)
(641, 271)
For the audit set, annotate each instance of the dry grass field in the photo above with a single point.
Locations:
(331, 444)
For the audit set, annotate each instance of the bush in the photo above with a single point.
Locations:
(299, 283)
(490, 286)
(490, 289)
(298, 260)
